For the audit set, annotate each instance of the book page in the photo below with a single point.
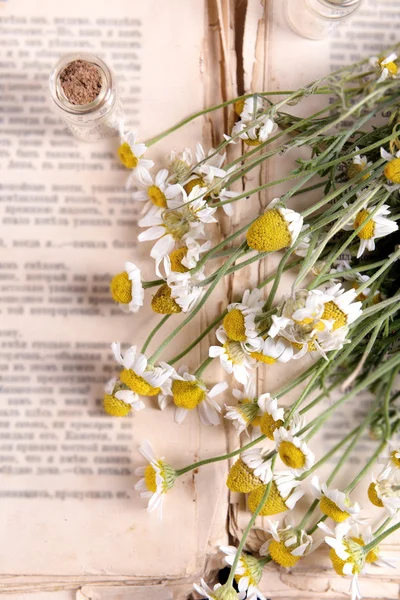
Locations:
(69, 514)
(274, 57)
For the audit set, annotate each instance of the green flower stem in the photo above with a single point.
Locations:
(237, 267)
(265, 560)
(365, 468)
(377, 374)
(219, 246)
(199, 372)
(270, 278)
(376, 541)
(329, 454)
(386, 402)
(209, 328)
(380, 306)
(250, 524)
(153, 333)
(197, 308)
(207, 461)
(383, 526)
(384, 268)
(355, 270)
(205, 111)
(349, 214)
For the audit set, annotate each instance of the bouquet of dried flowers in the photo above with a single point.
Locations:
(342, 311)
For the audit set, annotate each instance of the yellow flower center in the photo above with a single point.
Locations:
(373, 495)
(115, 407)
(367, 232)
(373, 555)
(390, 66)
(337, 562)
(187, 394)
(121, 288)
(353, 170)
(392, 170)
(268, 425)
(242, 479)
(163, 303)
(251, 142)
(188, 187)
(234, 325)
(354, 548)
(126, 156)
(281, 554)
(330, 509)
(157, 196)
(150, 478)
(138, 384)
(333, 312)
(239, 106)
(395, 459)
(268, 360)
(274, 504)
(269, 232)
(292, 456)
(176, 258)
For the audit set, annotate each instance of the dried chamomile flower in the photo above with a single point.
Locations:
(270, 351)
(379, 225)
(232, 357)
(188, 392)
(154, 191)
(246, 412)
(287, 545)
(293, 451)
(137, 375)
(276, 229)
(384, 491)
(248, 572)
(219, 592)
(239, 323)
(130, 153)
(127, 289)
(157, 478)
(249, 472)
(334, 503)
(119, 401)
(387, 66)
(282, 496)
(163, 303)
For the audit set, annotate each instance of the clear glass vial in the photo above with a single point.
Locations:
(316, 19)
(93, 121)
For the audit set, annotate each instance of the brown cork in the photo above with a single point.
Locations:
(81, 82)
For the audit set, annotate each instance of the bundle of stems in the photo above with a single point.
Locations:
(340, 317)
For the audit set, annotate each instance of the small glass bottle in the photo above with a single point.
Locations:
(316, 19)
(99, 118)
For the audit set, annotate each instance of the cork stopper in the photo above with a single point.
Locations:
(81, 82)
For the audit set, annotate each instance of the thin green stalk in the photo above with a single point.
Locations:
(199, 372)
(153, 333)
(376, 541)
(365, 468)
(207, 461)
(198, 339)
(197, 308)
(386, 402)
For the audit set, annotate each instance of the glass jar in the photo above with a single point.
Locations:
(316, 19)
(93, 121)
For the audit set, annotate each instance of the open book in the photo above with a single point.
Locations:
(71, 524)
